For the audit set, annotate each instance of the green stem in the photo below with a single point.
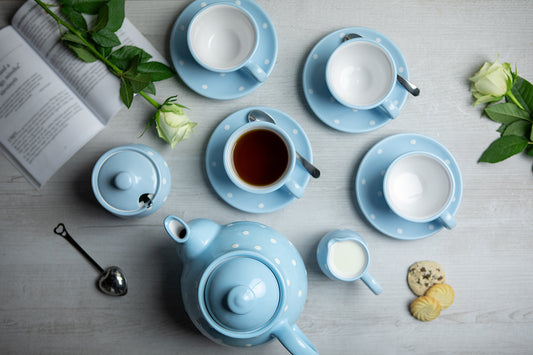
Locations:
(156, 104)
(114, 69)
(89, 46)
(514, 99)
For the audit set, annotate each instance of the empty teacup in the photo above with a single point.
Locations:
(223, 37)
(361, 74)
(343, 255)
(259, 157)
(419, 187)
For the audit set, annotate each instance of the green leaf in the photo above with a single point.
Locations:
(523, 91)
(71, 37)
(530, 152)
(116, 14)
(502, 127)
(86, 6)
(519, 128)
(83, 53)
(105, 38)
(126, 92)
(101, 19)
(138, 81)
(105, 51)
(503, 148)
(150, 89)
(506, 113)
(157, 70)
(75, 18)
(123, 56)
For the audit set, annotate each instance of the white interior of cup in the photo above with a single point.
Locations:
(360, 73)
(418, 187)
(222, 37)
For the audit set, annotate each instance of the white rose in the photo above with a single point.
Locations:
(492, 82)
(172, 123)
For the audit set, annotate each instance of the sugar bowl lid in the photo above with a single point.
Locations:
(131, 180)
(241, 294)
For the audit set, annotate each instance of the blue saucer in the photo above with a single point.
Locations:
(369, 185)
(319, 98)
(221, 86)
(240, 199)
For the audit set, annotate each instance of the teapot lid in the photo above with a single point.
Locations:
(242, 294)
(125, 180)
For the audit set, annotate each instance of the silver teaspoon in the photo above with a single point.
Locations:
(409, 86)
(112, 281)
(259, 115)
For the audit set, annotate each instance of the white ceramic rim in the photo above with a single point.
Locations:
(230, 168)
(392, 79)
(342, 239)
(204, 11)
(441, 210)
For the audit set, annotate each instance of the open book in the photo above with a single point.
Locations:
(51, 102)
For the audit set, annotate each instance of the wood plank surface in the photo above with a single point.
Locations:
(48, 302)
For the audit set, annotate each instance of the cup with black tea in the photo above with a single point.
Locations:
(259, 157)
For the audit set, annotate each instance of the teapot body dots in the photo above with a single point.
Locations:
(242, 284)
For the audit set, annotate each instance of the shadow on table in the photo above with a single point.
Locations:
(170, 292)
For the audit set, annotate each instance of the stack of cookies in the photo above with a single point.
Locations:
(427, 280)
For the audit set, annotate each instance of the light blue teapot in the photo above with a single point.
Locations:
(242, 284)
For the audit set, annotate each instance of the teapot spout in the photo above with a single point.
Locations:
(193, 237)
(177, 229)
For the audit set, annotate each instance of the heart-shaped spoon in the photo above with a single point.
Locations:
(112, 282)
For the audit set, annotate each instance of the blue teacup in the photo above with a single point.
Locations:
(343, 255)
(361, 74)
(223, 37)
(260, 158)
(419, 187)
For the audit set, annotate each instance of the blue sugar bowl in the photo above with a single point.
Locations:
(132, 180)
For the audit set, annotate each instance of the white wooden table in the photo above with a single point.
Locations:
(48, 302)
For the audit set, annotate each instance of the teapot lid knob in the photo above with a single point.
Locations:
(241, 293)
(241, 299)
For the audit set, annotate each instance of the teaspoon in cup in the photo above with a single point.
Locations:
(259, 115)
(409, 86)
(112, 281)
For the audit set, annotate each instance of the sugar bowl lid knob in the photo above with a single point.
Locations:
(123, 180)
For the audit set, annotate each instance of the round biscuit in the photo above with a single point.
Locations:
(443, 293)
(425, 308)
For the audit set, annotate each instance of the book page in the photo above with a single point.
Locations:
(42, 122)
(96, 85)
(93, 82)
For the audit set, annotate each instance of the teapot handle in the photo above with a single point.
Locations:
(294, 340)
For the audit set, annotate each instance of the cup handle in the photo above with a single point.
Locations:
(256, 71)
(294, 188)
(294, 340)
(372, 284)
(447, 220)
(390, 108)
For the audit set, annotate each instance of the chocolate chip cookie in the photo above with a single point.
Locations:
(424, 274)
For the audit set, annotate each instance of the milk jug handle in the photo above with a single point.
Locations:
(294, 340)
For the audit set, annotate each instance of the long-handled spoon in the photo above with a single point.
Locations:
(112, 282)
(409, 86)
(259, 115)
